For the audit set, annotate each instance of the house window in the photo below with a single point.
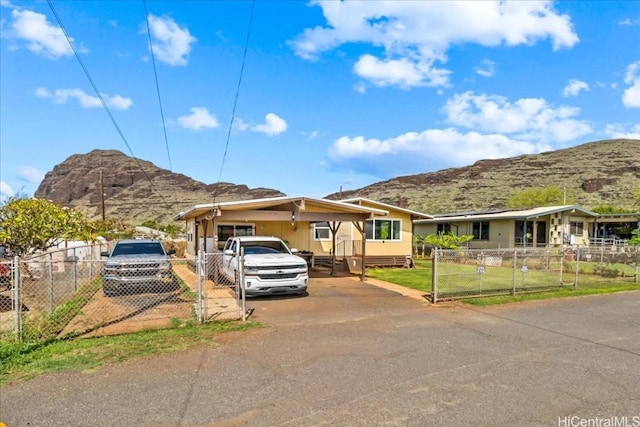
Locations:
(576, 228)
(231, 230)
(481, 230)
(524, 229)
(443, 228)
(190, 227)
(321, 231)
(383, 229)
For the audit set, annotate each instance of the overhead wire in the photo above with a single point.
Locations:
(155, 75)
(101, 98)
(235, 101)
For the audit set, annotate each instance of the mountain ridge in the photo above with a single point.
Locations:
(595, 173)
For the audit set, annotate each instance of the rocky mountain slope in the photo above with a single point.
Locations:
(134, 190)
(596, 173)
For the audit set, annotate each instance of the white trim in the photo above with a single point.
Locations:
(390, 239)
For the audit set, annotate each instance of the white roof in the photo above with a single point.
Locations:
(386, 206)
(300, 203)
(510, 214)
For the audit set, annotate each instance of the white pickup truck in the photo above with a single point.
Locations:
(270, 267)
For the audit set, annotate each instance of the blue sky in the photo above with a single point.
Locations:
(333, 94)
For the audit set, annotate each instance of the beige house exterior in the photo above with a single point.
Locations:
(391, 235)
(346, 228)
(539, 227)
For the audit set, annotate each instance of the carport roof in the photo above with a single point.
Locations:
(360, 200)
(523, 214)
(285, 203)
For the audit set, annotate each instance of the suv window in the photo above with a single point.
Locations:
(134, 248)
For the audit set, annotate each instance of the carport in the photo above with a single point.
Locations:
(293, 216)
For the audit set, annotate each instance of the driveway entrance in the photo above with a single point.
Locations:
(376, 359)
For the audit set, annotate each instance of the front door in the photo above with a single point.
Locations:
(541, 233)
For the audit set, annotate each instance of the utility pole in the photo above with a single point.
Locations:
(564, 195)
(102, 196)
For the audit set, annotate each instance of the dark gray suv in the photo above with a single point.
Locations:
(141, 265)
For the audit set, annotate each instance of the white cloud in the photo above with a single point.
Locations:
(360, 87)
(415, 152)
(273, 125)
(42, 37)
(631, 96)
(5, 190)
(30, 174)
(402, 72)
(414, 35)
(616, 131)
(527, 118)
(171, 43)
(574, 87)
(240, 125)
(200, 118)
(61, 96)
(629, 21)
(310, 135)
(487, 68)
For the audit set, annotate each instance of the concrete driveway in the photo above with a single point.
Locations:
(355, 354)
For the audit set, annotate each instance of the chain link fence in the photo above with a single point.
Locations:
(69, 293)
(474, 272)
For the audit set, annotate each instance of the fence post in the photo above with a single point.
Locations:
(199, 269)
(434, 276)
(50, 271)
(575, 281)
(515, 269)
(91, 259)
(75, 270)
(561, 266)
(635, 280)
(242, 285)
(17, 304)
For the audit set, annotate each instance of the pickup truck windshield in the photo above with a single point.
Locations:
(254, 250)
(267, 247)
(138, 249)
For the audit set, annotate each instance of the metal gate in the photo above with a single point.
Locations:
(217, 299)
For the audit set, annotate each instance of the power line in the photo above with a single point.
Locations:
(235, 101)
(100, 97)
(155, 75)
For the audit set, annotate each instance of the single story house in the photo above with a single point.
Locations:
(537, 227)
(325, 228)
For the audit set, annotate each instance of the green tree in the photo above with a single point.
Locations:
(29, 225)
(635, 240)
(172, 230)
(608, 209)
(448, 240)
(151, 224)
(539, 197)
(418, 244)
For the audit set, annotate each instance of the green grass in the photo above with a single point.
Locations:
(459, 279)
(559, 293)
(21, 361)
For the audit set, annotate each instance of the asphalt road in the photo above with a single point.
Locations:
(353, 354)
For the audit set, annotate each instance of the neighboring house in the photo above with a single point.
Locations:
(540, 227)
(614, 229)
(326, 228)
